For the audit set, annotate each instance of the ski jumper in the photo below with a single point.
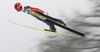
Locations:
(51, 25)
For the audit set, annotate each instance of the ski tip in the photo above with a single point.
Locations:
(83, 35)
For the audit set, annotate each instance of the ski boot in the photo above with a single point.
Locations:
(52, 30)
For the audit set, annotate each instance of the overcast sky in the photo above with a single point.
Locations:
(14, 38)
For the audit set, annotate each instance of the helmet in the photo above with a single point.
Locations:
(18, 6)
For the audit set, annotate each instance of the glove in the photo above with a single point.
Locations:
(45, 13)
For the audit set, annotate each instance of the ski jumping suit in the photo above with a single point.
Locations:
(51, 25)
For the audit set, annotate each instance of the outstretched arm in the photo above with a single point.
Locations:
(41, 11)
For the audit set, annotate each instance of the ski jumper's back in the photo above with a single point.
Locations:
(33, 9)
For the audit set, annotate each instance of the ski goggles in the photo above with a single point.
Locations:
(16, 8)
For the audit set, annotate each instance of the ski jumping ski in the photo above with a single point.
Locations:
(40, 29)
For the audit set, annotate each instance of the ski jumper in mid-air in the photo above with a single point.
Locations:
(19, 8)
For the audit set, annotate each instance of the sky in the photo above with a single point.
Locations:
(14, 38)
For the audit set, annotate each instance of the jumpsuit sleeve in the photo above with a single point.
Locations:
(39, 10)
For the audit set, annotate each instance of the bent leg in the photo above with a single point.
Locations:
(60, 21)
(51, 25)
